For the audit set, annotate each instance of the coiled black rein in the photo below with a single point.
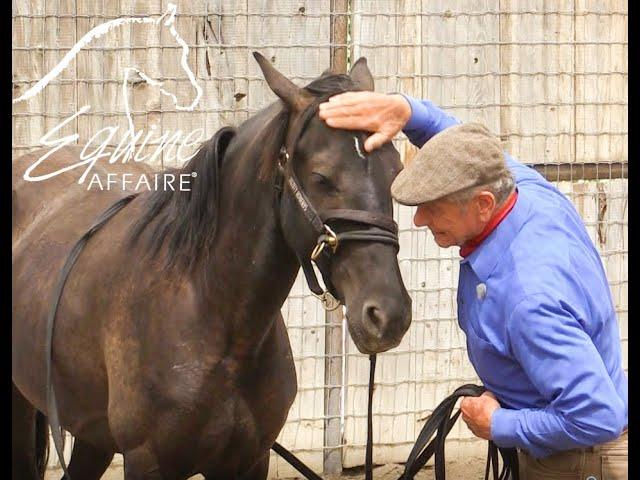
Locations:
(441, 420)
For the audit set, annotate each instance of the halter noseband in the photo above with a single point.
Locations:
(381, 228)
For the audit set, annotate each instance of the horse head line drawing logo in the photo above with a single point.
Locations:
(169, 18)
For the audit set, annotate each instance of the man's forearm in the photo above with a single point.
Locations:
(426, 120)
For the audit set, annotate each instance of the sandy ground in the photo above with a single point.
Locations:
(470, 469)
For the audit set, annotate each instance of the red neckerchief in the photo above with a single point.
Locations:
(472, 244)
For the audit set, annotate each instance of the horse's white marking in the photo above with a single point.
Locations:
(355, 141)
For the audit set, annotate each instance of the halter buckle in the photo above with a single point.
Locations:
(329, 302)
(328, 238)
(283, 156)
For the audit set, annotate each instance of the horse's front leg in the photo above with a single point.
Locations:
(258, 472)
(141, 463)
(88, 462)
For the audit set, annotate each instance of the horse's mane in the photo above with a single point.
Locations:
(186, 221)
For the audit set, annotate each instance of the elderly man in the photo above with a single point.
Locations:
(533, 297)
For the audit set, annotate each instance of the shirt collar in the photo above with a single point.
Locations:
(484, 258)
(495, 220)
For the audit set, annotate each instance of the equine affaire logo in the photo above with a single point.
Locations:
(132, 142)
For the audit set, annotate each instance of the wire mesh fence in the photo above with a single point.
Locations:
(549, 77)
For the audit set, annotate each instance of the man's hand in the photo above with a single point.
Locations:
(382, 114)
(477, 411)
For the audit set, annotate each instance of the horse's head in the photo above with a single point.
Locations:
(349, 190)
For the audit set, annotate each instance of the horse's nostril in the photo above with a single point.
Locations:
(375, 319)
(374, 315)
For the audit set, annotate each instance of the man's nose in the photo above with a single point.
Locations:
(421, 218)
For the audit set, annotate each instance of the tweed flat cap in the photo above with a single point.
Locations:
(459, 157)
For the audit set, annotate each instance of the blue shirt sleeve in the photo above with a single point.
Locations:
(564, 365)
(426, 120)
(521, 172)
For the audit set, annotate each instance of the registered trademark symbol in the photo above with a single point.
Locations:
(194, 174)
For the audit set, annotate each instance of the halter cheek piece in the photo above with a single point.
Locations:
(380, 228)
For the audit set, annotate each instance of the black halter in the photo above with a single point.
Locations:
(379, 227)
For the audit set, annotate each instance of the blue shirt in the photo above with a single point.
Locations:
(542, 332)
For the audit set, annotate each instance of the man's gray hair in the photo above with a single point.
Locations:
(501, 187)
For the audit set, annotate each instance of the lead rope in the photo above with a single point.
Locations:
(296, 463)
(442, 420)
(368, 475)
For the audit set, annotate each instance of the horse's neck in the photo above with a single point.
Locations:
(253, 267)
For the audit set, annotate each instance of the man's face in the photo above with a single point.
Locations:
(450, 222)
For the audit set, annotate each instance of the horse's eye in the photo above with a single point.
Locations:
(321, 180)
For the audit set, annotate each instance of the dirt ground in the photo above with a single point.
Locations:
(470, 469)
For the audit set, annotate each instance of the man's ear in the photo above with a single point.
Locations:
(486, 202)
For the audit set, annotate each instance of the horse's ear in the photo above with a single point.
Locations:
(328, 71)
(289, 92)
(361, 75)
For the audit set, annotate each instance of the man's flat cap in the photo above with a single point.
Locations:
(459, 157)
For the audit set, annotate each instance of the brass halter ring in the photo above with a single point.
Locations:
(329, 238)
(329, 302)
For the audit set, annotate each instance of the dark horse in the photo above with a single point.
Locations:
(169, 346)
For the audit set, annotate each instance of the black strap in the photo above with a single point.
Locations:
(386, 231)
(379, 236)
(312, 280)
(295, 462)
(368, 472)
(54, 421)
(305, 204)
(376, 219)
(370, 219)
